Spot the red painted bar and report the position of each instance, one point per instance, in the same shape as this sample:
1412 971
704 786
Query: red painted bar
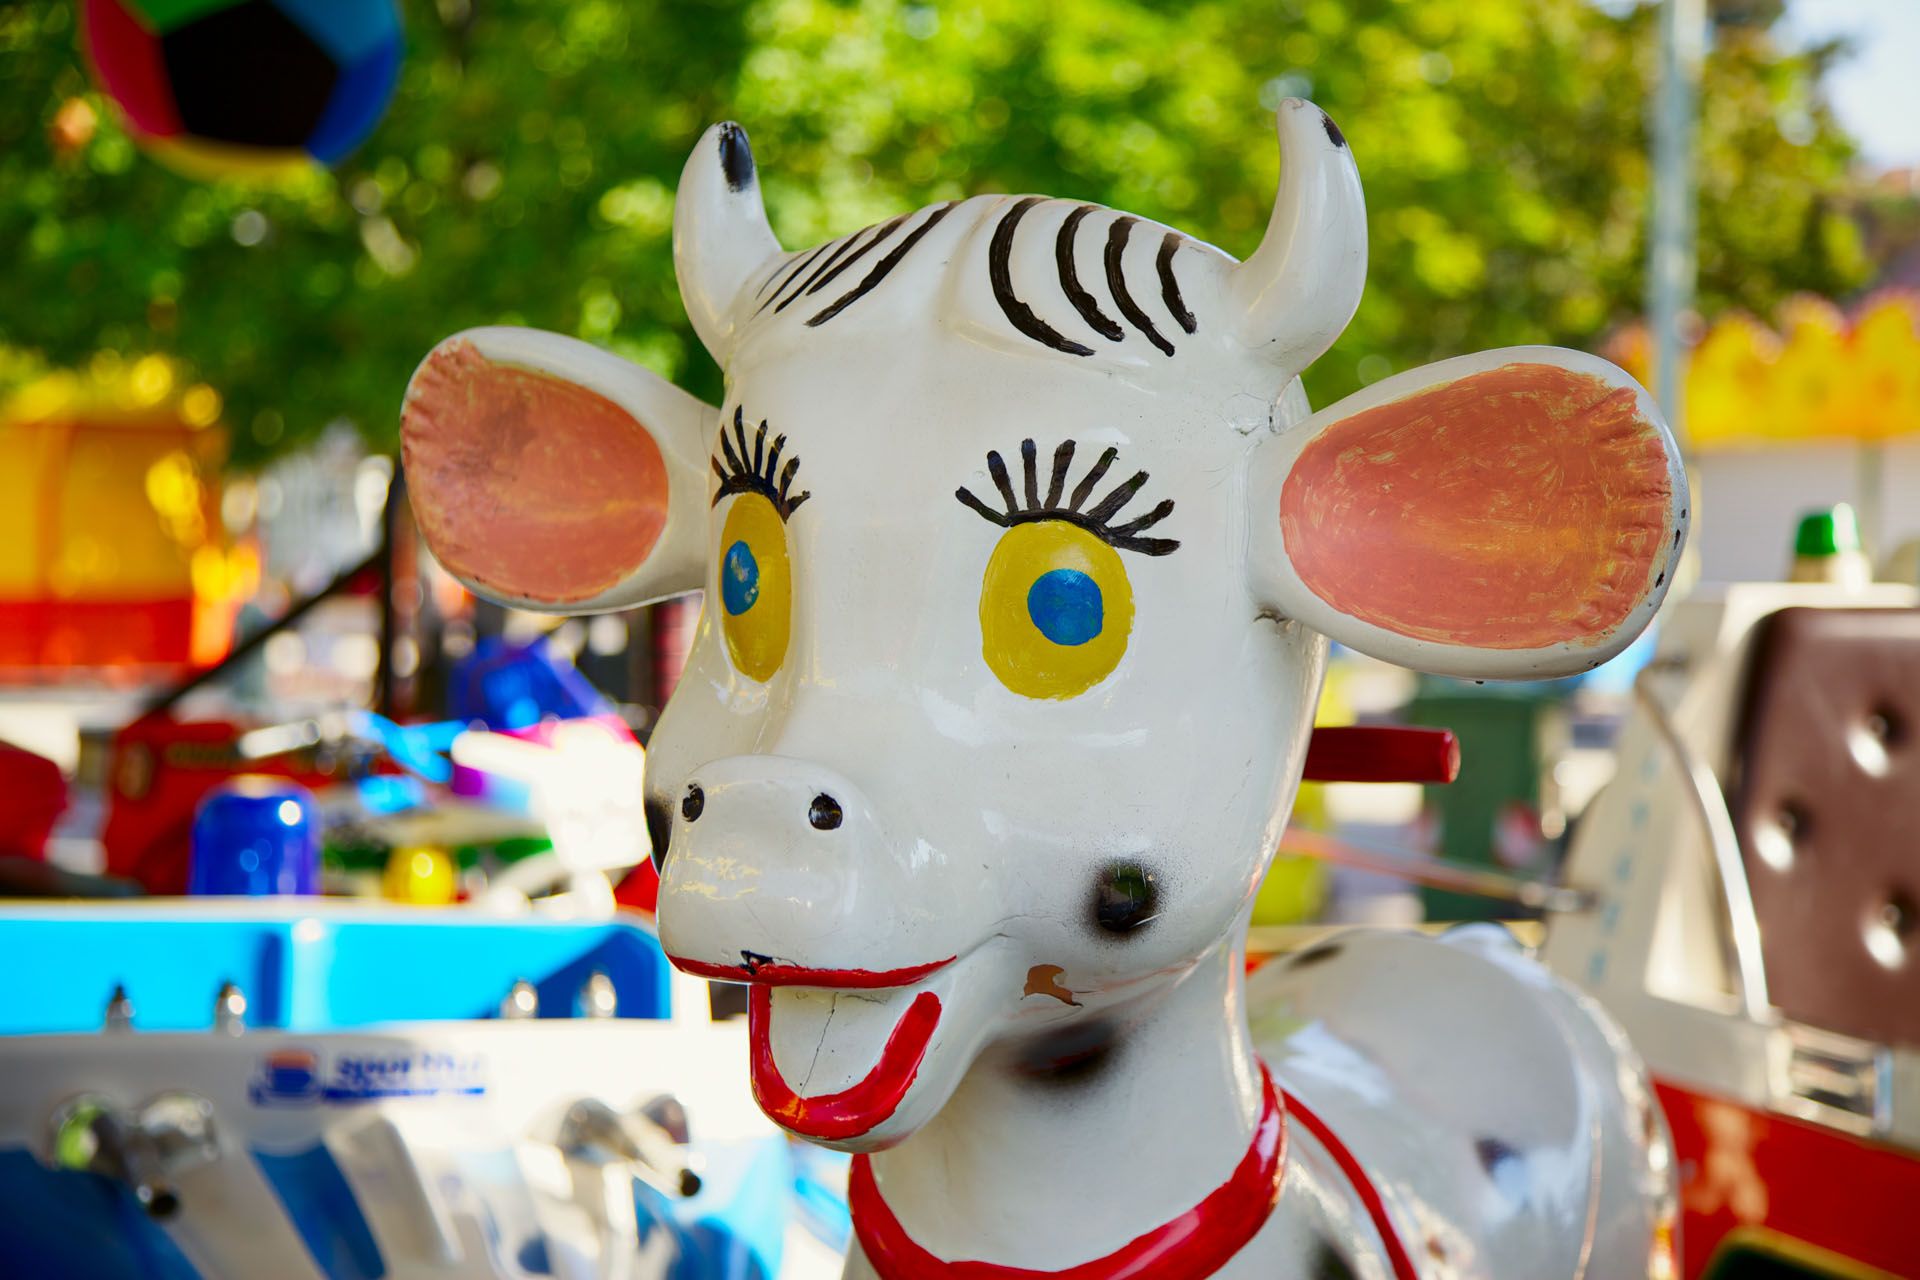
1382 753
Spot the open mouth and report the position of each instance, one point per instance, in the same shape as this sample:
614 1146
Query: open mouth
865 1103
861 1106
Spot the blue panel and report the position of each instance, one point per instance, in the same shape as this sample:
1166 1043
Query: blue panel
322 1208
79 1226
735 1227
347 29
323 972
359 99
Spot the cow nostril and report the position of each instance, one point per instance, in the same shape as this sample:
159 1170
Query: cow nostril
824 813
693 802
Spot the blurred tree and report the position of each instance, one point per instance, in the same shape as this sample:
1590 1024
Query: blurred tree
526 170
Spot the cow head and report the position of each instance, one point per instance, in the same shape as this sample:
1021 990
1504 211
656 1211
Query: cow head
1021 553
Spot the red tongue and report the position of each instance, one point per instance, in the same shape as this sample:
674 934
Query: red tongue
862 1105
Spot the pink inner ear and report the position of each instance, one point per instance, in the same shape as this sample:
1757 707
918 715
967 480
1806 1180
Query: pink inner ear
528 484
1512 509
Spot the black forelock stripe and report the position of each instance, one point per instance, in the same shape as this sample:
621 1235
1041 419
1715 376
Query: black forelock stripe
1117 282
882 267
1000 274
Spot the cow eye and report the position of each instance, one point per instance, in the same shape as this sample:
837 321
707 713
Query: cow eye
755 571
1055 610
756 586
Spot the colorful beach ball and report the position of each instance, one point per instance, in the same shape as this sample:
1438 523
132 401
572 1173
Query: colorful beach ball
219 88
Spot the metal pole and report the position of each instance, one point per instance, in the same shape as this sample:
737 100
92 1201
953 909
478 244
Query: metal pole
1670 239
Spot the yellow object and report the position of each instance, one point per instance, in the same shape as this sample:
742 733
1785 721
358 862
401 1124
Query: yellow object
1045 577
419 874
210 161
110 518
756 586
1820 375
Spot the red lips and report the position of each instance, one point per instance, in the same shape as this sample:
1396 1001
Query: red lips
862 1106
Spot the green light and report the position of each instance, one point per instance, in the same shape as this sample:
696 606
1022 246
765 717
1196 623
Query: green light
1827 533
75 1143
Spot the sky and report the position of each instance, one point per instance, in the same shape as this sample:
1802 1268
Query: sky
1876 89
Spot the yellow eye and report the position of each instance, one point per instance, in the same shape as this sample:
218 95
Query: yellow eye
1055 610
756 586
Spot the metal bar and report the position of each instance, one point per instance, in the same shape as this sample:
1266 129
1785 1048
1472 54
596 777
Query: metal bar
1382 753
1481 882
1710 804
170 698
1671 259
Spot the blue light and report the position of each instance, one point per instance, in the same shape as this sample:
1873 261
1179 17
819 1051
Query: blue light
1065 605
739 579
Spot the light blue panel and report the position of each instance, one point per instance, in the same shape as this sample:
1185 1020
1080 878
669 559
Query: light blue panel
347 29
308 974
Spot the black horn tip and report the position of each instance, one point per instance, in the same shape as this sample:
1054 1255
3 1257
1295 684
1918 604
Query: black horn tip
736 156
1334 135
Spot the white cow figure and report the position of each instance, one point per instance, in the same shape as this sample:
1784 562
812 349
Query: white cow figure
1021 556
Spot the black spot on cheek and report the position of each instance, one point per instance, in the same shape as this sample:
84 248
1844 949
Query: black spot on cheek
1334 135
1070 1056
659 828
1126 898
1329 1263
736 157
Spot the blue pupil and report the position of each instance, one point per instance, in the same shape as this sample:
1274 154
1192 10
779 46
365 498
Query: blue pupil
739 579
1065 605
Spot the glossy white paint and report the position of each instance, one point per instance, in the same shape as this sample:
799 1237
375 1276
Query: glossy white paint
1091 1075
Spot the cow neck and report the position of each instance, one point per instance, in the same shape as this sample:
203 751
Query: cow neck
1043 1175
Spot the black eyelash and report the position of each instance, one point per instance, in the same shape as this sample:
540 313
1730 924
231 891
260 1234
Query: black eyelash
1098 521
764 475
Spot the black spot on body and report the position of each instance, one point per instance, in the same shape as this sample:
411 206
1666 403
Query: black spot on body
1315 954
1334 135
753 960
1125 898
1492 1152
736 157
1329 1263
1070 1056
694 803
659 829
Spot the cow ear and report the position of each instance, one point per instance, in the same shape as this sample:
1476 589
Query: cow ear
548 474
1514 514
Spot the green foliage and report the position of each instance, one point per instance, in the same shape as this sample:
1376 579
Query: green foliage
525 174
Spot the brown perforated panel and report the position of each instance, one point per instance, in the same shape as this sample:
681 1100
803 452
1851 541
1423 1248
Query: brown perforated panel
1827 805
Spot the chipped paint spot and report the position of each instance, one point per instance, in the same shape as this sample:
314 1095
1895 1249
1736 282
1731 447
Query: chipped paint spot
1518 508
1044 980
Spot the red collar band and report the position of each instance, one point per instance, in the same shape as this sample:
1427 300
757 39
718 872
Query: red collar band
1190 1247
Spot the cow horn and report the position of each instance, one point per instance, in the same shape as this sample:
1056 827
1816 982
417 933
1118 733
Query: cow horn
1297 292
720 234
